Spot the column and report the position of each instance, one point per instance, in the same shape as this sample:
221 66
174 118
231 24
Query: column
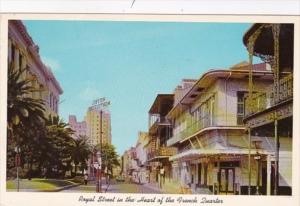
249 161
269 175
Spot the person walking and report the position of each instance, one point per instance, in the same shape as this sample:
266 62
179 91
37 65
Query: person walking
185 180
85 178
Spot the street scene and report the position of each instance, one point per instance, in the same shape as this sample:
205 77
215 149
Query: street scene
150 107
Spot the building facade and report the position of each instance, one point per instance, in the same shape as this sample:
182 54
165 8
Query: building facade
269 113
79 128
98 120
24 53
209 133
141 153
160 130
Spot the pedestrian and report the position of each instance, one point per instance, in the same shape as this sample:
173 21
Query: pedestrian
185 180
85 178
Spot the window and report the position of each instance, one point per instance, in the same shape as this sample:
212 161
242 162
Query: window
240 107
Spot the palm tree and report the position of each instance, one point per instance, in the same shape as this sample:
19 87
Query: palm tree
59 139
24 113
22 110
80 151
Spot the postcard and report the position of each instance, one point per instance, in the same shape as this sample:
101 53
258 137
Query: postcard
117 109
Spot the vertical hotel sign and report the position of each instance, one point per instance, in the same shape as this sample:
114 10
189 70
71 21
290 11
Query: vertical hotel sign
100 104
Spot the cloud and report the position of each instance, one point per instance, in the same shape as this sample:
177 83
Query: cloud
52 63
89 94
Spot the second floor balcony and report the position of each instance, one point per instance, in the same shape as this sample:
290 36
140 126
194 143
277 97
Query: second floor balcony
162 152
261 101
191 129
159 121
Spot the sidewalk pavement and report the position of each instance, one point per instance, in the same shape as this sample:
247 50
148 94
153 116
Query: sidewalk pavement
172 187
169 187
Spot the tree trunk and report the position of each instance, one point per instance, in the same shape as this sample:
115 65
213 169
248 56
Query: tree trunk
75 169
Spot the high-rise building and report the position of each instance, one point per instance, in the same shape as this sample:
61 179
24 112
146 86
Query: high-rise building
79 128
98 119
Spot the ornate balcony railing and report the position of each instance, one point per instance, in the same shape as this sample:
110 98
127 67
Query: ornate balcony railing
264 100
159 120
163 151
191 129
259 102
285 88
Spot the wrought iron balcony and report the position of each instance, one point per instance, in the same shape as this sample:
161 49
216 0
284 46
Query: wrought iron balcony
285 88
264 100
160 121
162 152
191 129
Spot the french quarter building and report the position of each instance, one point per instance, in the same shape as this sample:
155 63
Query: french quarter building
209 133
269 113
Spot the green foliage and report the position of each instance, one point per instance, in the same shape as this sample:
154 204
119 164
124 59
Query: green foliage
22 110
80 151
44 142
25 117
58 141
109 156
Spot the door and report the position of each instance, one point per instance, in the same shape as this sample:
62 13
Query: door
227 176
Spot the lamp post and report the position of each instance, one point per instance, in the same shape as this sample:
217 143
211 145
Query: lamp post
257 157
18 162
99 173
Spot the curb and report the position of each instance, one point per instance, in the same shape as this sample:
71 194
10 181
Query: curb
61 188
53 190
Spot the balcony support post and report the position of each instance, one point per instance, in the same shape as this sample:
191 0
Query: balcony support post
276 154
275 62
250 47
249 161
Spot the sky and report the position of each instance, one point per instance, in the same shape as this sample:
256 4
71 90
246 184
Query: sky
129 63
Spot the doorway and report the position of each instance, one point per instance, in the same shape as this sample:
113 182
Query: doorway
227 178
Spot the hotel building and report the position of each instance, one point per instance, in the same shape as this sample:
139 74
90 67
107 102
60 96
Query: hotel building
98 119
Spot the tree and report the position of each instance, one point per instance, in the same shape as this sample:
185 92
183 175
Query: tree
59 141
22 110
109 156
25 115
80 151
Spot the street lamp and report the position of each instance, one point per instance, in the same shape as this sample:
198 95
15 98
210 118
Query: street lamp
99 173
257 157
18 162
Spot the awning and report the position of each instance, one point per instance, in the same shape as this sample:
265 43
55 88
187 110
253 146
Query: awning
157 158
195 153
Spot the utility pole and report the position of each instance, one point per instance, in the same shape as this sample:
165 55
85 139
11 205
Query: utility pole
100 178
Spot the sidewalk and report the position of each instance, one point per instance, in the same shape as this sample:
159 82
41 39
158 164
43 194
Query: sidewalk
174 188
168 187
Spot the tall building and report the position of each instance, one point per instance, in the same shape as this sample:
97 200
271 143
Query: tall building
79 128
24 53
98 118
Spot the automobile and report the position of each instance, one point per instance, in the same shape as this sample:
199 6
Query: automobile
120 178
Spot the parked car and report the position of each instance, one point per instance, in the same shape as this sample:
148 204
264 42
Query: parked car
120 178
